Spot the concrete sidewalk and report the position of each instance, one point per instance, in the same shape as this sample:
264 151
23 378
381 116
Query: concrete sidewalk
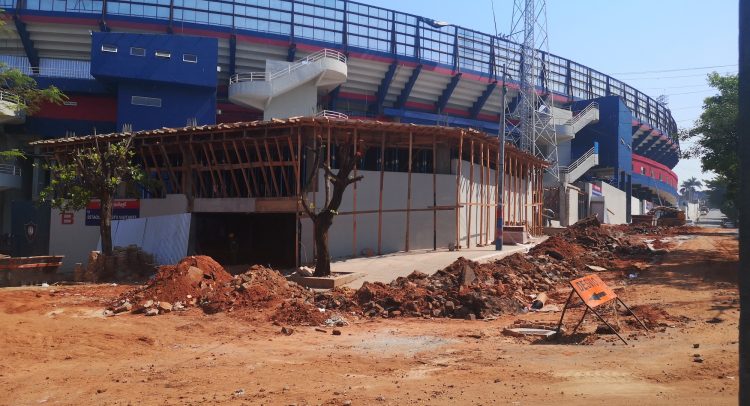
386 268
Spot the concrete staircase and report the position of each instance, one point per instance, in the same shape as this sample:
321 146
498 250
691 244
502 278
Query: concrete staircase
571 173
318 73
568 127
10 112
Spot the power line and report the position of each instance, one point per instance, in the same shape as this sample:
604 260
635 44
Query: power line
675 77
673 70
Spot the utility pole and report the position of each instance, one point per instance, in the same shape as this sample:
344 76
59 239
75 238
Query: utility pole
743 127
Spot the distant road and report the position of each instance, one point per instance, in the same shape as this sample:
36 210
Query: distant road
712 219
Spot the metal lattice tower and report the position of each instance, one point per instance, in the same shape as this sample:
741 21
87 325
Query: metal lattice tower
533 114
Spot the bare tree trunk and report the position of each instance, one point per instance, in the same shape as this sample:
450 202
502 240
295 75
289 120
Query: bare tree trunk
322 224
105 225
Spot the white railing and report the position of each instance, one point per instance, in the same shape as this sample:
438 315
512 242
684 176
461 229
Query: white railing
266 76
332 114
58 72
570 168
582 113
9 97
9 169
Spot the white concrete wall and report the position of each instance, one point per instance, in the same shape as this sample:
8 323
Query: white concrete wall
692 211
481 229
611 206
76 240
393 238
636 206
301 101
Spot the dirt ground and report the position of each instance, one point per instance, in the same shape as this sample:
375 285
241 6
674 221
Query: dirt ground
58 348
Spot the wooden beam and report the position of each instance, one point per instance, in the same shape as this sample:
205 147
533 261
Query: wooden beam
231 170
283 170
203 192
266 185
169 169
481 194
273 173
242 170
218 171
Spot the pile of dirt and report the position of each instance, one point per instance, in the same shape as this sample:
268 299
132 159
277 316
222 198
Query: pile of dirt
467 289
199 281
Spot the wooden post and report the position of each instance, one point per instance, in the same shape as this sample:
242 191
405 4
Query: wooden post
471 195
480 206
250 168
458 188
203 193
434 191
408 194
380 195
231 167
354 197
242 168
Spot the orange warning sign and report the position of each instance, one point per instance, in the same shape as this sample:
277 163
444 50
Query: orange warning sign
593 290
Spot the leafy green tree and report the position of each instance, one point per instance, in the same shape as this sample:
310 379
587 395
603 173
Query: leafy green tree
24 91
715 133
720 198
93 172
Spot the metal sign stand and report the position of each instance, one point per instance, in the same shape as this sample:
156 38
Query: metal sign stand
585 313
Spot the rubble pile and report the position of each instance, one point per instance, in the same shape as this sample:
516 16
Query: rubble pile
199 281
467 289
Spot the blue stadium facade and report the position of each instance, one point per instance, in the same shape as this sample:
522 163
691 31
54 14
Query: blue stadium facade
168 63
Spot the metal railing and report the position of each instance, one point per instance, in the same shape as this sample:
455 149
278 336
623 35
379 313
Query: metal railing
332 114
578 116
266 76
356 25
10 169
58 73
578 162
9 97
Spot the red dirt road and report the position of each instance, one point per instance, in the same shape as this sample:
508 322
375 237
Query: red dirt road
59 349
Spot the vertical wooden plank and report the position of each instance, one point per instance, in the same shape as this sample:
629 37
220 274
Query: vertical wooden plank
204 192
242 168
480 202
298 167
354 196
271 168
408 192
171 171
434 191
328 162
282 167
266 185
471 195
256 191
380 194
488 199
231 169
458 188
218 171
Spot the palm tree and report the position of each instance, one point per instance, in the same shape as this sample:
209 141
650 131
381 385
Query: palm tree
689 186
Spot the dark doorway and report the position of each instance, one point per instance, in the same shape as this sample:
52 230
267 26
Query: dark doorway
247 239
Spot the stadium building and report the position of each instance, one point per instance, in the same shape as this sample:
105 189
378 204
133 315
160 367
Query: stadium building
144 65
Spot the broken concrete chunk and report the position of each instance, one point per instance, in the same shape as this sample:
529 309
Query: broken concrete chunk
151 311
596 268
165 307
468 275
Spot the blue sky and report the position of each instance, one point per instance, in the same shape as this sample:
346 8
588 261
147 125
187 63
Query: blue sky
618 37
